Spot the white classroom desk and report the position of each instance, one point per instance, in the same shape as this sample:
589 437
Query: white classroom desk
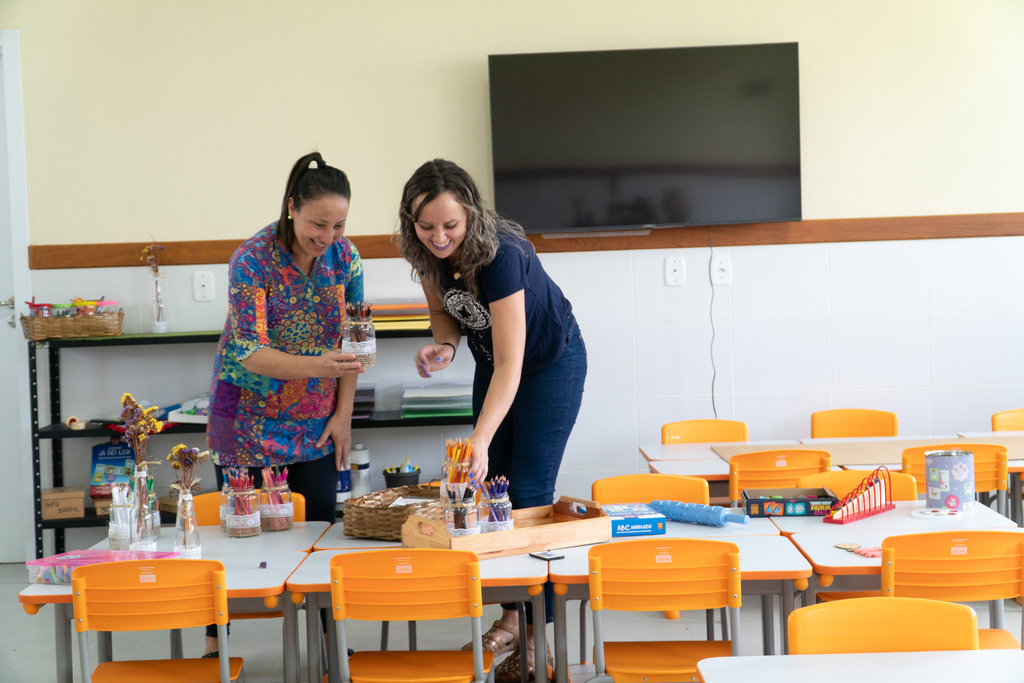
516 578
250 589
768 563
1014 467
711 469
869 439
335 539
700 451
898 520
880 667
300 538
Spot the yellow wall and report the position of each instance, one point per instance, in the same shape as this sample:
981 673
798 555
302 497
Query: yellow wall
181 119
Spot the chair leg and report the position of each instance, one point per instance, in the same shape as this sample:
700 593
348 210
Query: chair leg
583 631
523 670
412 636
83 656
105 646
383 636
709 617
177 648
725 623
768 623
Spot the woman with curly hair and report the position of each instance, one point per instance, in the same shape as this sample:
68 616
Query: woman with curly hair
482 279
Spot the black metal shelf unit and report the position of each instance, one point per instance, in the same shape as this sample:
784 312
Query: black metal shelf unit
57 431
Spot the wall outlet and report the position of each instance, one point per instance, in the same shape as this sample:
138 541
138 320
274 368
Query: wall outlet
675 272
721 270
202 285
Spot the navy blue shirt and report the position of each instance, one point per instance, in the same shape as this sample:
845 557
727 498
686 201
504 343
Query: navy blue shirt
547 310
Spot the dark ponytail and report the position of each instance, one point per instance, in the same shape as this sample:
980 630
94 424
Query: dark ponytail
307 184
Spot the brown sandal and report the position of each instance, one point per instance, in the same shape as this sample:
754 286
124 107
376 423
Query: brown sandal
498 639
509 669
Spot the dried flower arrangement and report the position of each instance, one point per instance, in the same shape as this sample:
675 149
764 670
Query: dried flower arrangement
139 423
151 255
186 463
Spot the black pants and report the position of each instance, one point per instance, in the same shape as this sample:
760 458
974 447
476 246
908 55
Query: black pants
316 480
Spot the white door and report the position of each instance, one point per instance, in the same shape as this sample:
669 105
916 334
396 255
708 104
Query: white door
17 540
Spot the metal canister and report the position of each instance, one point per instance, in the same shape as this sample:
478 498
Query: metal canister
950 479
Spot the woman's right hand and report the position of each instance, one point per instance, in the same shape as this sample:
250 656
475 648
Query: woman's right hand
336 364
433 357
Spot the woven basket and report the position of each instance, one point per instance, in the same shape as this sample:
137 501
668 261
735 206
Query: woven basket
99 325
370 517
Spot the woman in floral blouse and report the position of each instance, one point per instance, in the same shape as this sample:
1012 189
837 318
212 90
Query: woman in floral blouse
282 390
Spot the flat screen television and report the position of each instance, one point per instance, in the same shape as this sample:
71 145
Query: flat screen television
655 138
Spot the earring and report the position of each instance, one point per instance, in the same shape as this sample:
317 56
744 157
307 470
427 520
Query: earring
289 216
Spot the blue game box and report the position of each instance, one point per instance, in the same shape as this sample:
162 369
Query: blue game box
635 519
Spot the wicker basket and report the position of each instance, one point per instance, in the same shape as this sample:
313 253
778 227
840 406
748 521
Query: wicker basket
99 325
370 517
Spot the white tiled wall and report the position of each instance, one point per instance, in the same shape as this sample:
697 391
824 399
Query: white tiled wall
928 329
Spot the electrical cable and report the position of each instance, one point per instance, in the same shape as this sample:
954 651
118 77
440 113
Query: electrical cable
711 316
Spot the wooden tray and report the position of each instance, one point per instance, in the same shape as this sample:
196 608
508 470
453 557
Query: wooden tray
541 528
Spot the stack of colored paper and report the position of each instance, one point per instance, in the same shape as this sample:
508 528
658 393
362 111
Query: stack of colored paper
365 402
437 400
400 314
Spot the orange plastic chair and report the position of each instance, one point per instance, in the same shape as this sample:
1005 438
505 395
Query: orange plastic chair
779 468
153 595
989 467
853 422
659 575
882 625
643 488
409 584
703 431
959 566
1008 421
207 507
904 486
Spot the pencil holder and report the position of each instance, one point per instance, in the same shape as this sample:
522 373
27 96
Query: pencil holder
243 513
495 513
276 512
224 507
360 337
118 529
461 518
455 472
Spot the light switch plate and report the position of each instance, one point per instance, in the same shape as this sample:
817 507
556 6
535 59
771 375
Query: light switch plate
675 271
202 285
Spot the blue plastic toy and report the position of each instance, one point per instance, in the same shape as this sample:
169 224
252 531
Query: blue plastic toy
695 513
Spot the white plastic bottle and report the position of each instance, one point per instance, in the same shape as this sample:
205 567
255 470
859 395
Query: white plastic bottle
359 464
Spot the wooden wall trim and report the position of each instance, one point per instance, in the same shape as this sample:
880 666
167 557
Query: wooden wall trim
47 257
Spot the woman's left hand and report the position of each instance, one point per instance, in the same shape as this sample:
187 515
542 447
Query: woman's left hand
339 430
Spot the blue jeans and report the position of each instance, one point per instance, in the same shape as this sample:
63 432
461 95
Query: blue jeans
529 444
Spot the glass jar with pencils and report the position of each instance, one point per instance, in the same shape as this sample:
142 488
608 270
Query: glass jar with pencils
358 336
142 534
118 530
461 517
276 512
242 518
224 506
495 507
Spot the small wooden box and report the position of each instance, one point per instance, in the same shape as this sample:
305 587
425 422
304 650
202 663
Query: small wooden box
64 503
102 506
569 522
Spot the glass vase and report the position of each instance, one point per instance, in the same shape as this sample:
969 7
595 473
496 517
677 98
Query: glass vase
119 528
158 316
154 509
143 536
186 529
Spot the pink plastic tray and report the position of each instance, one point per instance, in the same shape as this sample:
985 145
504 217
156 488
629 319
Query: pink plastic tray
58 568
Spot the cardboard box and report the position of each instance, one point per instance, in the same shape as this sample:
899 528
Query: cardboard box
788 502
64 503
569 522
635 519
102 507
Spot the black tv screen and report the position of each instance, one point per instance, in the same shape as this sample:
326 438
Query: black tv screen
646 138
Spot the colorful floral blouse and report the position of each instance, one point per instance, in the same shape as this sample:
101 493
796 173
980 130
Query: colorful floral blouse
257 420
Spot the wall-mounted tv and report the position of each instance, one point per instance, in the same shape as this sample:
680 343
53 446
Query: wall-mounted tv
654 138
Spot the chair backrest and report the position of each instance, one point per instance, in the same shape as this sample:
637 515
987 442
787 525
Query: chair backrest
147 595
643 488
904 486
778 468
207 507
703 431
664 574
989 464
934 565
881 624
1008 421
853 422
406 584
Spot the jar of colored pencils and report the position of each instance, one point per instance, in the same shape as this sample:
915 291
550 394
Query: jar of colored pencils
224 506
495 512
243 513
276 513
359 336
460 516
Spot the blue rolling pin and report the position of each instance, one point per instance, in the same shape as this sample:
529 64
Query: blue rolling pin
695 513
